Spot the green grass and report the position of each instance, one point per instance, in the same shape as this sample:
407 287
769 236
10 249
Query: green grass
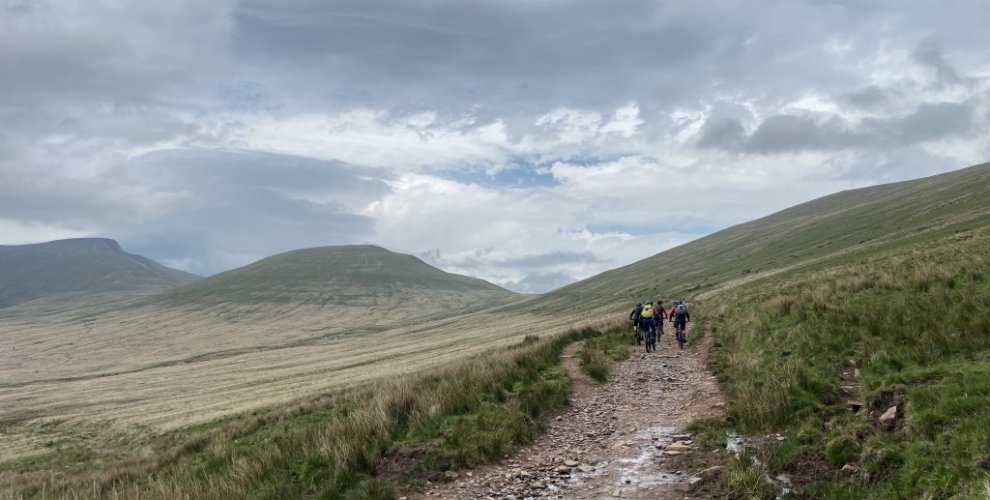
599 354
915 323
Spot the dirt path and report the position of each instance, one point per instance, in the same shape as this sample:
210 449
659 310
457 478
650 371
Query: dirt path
610 442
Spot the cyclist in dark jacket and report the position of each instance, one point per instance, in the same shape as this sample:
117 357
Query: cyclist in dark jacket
679 314
636 316
636 313
660 316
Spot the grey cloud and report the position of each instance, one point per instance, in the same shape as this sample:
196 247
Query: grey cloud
539 55
869 97
282 174
727 134
18 9
787 133
53 51
247 205
497 60
724 125
120 74
242 226
929 121
38 193
929 54
210 209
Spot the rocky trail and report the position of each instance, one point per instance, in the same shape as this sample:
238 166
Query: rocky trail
623 439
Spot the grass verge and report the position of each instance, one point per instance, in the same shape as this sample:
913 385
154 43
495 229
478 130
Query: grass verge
820 357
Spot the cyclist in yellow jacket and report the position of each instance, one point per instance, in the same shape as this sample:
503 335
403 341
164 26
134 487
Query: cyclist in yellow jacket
649 323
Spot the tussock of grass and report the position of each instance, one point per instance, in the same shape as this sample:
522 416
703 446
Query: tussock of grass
340 446
915 325
599 354
749 479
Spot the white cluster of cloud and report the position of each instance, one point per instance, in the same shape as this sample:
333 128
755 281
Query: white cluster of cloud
528 143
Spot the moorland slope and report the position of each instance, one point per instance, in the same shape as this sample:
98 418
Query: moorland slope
815 234
355 275
285 326
81 266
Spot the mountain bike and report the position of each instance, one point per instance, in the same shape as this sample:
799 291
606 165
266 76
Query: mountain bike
651 340
680 335
637 334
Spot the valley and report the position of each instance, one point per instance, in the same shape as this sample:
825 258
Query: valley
891 281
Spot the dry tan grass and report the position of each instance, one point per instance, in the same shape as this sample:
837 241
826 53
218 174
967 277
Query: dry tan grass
13 446
152 369
346 439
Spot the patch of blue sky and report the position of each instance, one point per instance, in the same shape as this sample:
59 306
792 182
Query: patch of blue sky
590 161
519 173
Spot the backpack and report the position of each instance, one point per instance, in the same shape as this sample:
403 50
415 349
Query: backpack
681 309
647 311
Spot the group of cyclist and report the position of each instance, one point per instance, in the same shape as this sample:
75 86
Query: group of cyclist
648 321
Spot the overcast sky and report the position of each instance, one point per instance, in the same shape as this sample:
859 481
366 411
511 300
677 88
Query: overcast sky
528 142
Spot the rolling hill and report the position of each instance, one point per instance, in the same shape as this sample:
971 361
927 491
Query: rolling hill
79 266
815 234
353 275
280 327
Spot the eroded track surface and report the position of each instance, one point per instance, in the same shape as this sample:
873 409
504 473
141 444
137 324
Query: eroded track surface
618 440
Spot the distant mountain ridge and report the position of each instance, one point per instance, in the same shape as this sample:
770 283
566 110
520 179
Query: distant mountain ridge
332 275
81 265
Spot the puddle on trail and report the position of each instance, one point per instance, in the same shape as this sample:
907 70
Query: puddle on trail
642 471
734 443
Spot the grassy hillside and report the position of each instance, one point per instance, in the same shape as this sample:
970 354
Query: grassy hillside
296 324
814 235
82 266
318 299
342 275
